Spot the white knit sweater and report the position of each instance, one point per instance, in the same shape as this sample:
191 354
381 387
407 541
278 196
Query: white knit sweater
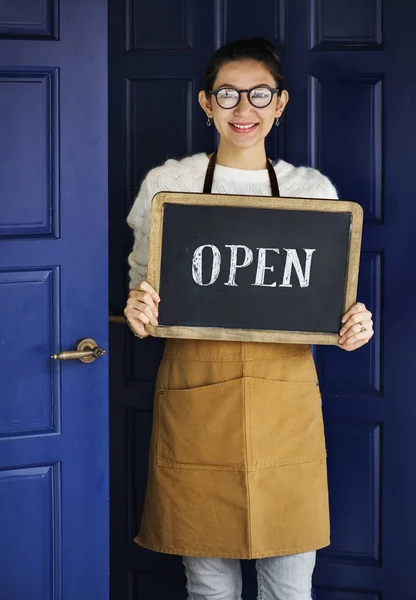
188 175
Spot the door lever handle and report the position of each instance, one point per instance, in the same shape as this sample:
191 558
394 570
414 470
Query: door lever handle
86 350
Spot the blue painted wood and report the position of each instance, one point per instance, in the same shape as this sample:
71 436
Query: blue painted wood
354 451
148 30
348 65
53 291
30 20
29 496
334 594
29 98
332 119
346 24
29 296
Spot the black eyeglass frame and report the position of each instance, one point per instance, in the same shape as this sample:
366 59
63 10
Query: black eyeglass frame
248 92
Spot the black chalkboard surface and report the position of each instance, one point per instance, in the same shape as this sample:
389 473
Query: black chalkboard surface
253 268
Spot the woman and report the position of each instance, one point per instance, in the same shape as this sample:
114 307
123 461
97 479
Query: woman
237 461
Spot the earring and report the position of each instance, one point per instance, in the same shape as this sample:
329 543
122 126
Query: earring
277 122
209 122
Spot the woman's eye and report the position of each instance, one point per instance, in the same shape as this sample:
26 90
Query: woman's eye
227 93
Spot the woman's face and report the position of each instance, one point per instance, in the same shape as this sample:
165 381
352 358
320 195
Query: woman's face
245 125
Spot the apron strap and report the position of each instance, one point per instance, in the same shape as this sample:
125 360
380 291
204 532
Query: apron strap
273 180
209 177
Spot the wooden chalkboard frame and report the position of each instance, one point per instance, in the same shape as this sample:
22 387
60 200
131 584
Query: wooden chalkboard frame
251 335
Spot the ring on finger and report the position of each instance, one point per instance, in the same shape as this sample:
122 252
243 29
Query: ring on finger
361 324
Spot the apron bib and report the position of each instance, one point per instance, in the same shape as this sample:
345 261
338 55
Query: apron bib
237 465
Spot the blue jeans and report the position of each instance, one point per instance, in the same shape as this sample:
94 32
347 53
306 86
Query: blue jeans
279 577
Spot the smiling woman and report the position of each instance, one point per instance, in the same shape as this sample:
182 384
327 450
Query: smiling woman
237 461
250 96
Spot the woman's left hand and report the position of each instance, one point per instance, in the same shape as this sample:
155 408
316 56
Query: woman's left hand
357 328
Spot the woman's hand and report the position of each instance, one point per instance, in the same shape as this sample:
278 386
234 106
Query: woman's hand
142 308
357 328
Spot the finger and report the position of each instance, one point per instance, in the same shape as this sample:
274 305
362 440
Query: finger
147 299
137 298
349 332
356 308
356 337
356 318
346 339
138 327
354 346
134 314
144 310
365 331
364 325
146 287
137 311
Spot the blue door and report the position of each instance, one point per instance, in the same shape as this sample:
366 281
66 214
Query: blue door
349 66
53 292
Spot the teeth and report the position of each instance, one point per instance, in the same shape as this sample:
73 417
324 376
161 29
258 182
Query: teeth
243 126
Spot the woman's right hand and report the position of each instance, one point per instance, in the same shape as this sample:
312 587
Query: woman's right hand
142 308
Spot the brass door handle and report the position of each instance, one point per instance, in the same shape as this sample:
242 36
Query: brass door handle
85 350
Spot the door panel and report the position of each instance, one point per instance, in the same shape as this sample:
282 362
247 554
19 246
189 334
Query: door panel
28 296
53 291
35 491
347 66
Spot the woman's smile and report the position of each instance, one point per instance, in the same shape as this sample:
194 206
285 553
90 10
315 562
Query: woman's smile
243 128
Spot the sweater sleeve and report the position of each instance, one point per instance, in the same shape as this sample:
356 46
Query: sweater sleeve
139 220
322 187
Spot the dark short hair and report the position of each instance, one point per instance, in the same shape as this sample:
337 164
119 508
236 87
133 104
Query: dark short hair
257 49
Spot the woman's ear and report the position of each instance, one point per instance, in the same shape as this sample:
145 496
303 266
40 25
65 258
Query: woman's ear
281 105
205 103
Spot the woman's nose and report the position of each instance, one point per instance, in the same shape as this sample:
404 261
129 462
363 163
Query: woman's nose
244 105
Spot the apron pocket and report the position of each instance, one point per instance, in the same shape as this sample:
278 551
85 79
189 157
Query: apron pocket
202 428
284 422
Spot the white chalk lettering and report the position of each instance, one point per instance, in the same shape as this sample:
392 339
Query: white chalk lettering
261 267
292 260
248 259
197 264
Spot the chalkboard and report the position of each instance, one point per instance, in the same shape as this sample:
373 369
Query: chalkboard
253 268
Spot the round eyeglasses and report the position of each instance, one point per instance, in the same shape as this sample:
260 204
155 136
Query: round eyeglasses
259 97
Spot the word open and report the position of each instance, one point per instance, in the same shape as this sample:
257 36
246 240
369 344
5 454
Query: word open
291 263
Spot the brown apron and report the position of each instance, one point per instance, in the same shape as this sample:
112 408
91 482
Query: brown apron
237 460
